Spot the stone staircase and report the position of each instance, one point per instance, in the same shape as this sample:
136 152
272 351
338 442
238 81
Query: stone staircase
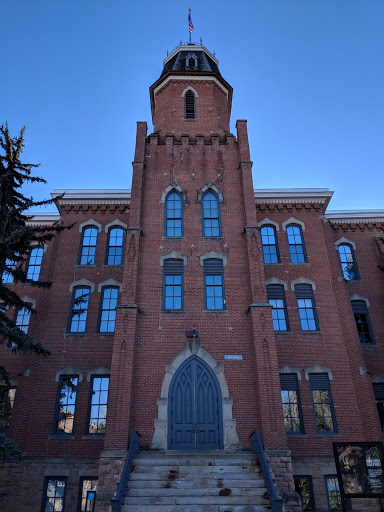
185 481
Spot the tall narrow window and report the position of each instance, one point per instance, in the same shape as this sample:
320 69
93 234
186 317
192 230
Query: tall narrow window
115 246
34 263
269 243
87 254
296 244
7 277
306 307
87 498
378 390
79 309
173 273
22 319
98 405
108 303
190 107
291 403
54 494
174 215
348 262
333 494
211 214
322 403
65 405
276 297
214 284
7 398
363 322
304 488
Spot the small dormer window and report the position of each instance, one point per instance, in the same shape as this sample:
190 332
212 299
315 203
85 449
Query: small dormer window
190 105
191 61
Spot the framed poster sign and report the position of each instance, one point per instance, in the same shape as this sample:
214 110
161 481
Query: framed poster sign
360 469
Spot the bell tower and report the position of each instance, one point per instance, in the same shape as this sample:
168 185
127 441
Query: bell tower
191 97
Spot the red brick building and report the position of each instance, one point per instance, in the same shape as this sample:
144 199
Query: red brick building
259 307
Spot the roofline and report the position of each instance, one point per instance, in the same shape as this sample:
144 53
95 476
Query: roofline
292 195
89 193
43 219
190 47
354 216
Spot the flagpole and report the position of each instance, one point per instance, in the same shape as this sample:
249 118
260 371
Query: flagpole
190 33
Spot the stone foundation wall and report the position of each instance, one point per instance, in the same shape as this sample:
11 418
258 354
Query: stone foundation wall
110 469
23 482
280 465
320 467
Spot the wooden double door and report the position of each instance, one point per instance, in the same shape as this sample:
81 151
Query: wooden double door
195 408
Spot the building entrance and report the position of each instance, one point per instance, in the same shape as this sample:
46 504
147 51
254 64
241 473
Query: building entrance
194 408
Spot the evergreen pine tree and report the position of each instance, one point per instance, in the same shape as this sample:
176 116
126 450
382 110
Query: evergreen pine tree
16 241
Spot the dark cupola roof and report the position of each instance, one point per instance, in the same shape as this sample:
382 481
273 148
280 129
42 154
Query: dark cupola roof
191 58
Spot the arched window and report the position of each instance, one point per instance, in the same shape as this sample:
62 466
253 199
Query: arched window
363 322
214 284
306 307
34 263
173 276
87 255
190 110
79 309
211 214
348 262
276 298
269 243
296 244
174 214
108 303
115 246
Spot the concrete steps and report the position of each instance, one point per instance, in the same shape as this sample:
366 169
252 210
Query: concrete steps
187 481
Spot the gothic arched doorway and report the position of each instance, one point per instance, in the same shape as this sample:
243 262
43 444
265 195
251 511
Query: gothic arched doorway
195 420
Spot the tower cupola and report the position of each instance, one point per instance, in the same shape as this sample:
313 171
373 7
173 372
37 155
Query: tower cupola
191 97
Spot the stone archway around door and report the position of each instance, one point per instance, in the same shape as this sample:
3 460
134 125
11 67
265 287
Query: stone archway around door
160 437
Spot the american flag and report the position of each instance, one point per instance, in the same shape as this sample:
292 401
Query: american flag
190 24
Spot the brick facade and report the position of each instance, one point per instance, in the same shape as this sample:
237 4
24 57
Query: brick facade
193 154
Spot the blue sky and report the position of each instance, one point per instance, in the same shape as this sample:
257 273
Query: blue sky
307 74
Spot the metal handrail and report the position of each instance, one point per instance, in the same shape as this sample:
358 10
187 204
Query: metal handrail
134 448
257 448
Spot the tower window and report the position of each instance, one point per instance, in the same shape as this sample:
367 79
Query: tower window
214 284
173 273
190 110
211 214
173 215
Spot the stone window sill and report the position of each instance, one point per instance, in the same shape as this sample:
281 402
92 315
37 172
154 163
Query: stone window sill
311 332
372 345
303 264
85 266
177 311
174 237
107 266
281 333
93 436
58 436
69 334
211 238
272 264
104 333
215 311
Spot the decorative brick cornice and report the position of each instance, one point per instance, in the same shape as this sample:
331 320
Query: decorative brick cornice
293 197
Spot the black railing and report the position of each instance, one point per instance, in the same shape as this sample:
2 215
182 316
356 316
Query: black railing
134 448
257 447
